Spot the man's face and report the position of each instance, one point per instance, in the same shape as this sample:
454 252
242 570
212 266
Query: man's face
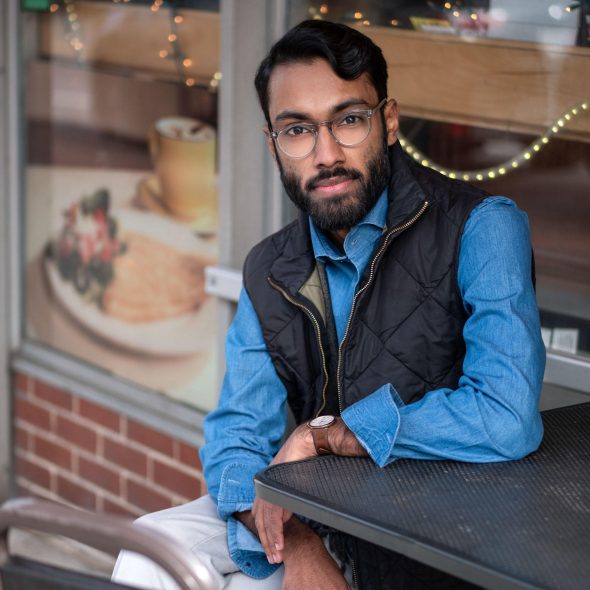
335 185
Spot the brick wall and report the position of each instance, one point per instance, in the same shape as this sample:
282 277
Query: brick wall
73 450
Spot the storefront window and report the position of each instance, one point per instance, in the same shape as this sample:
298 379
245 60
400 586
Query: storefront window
120 175
498 93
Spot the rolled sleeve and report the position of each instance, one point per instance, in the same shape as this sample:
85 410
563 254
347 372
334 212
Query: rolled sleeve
236 494
236 489
378 434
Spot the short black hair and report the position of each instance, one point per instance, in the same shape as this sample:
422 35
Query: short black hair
350 54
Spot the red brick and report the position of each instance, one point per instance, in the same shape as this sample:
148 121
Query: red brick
75 493
177 481
143 496
24 488
32 472
99 414
21 382
22 439
125 457
101 476
150 438
53 395
76 434
52 452
30 412
190 456
119 510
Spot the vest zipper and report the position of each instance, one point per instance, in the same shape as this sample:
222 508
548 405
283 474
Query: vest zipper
318 334
385 244
355 579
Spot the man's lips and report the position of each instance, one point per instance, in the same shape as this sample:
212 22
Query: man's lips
332 185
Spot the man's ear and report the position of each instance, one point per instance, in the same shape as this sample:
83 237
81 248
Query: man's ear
391 112
270 143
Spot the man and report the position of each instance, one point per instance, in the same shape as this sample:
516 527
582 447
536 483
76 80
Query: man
396 317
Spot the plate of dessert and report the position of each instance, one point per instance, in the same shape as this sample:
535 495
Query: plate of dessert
132 278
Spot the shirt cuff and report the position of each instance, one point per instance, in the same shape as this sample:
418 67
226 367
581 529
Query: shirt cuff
374 421
236 489
246 551
236 494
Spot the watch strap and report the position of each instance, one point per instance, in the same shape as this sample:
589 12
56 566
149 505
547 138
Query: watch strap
321 441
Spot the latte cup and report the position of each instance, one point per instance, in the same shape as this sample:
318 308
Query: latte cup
183 155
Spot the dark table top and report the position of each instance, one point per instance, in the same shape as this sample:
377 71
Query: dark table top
516 524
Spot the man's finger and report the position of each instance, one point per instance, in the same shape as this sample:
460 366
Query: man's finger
261 528
273 520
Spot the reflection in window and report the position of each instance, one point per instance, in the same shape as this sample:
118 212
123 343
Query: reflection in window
121 187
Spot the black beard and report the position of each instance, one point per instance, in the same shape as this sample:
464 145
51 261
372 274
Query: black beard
343 212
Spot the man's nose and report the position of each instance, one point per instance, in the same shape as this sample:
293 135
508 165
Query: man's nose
328 151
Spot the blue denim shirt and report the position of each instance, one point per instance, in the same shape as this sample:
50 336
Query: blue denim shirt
491 416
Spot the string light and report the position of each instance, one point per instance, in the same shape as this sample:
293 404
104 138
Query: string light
514 163
175 52
214 82
73 29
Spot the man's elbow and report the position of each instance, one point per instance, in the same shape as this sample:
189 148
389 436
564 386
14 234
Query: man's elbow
519 437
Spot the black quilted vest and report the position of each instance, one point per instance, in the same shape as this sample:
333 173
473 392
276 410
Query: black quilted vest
406 323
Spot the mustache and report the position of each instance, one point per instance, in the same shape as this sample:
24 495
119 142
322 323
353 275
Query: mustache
341 172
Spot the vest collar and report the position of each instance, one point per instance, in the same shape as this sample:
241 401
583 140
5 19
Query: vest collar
405 194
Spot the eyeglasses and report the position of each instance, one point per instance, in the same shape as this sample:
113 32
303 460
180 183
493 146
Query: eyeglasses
298 140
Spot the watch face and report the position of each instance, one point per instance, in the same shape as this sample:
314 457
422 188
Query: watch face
321 421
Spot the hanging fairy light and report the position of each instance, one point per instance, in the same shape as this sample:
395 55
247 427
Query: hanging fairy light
175 51
214 82
73 36
514 163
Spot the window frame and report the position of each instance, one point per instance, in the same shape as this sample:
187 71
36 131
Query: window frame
246 206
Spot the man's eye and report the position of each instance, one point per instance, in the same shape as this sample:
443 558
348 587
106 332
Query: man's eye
350 119
296 130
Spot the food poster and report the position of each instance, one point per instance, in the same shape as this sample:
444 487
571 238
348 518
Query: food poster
116 258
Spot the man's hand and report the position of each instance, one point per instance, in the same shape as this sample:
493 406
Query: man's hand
269 520
308 565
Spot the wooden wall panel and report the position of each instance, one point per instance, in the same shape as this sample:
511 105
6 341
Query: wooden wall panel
127 36
493 83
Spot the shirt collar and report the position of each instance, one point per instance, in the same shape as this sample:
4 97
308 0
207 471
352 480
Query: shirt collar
323 246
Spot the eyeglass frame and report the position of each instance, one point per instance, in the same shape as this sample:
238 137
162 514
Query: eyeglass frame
315 129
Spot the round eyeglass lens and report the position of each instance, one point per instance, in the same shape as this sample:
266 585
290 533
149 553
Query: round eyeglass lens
297 141
351 129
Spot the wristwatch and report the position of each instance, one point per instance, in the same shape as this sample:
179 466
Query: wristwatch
319 432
